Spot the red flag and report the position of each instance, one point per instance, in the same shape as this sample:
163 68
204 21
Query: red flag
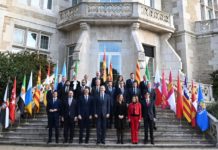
138 73
12 104
164 103
179 104
157 88
111 72
104 67
193 106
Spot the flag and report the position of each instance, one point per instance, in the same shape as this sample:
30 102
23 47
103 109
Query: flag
194 105
47 81
164 102
29 96
64 70
202 118
104 67
6 103
157 88
21 102
76 68
179 103
147 73
12 104
171 94
111 72
56 77
186 102
138 73
36 96
45 97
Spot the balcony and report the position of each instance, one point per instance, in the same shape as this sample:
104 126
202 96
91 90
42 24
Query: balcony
116 13
206 27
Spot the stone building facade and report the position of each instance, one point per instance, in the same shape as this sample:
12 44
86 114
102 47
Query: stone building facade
180 35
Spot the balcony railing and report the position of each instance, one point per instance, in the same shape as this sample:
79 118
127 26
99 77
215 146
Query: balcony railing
207 26
117 12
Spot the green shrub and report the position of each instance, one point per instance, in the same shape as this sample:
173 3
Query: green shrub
16 65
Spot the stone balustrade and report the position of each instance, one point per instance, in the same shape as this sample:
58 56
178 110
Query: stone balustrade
128 12
213 128
207 26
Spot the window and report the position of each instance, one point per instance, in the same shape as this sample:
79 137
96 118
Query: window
75 2
44 42
210 13
110 0
31 39
70 61
207 9
35 3
112 50
149 54
18 37
48 4
148 3
209 3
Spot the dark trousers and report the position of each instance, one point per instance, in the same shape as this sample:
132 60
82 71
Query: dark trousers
69 125
101 128
84 125
110 121
120 135
148 124
53 122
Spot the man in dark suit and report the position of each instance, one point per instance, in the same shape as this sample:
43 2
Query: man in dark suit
134 91
98 76
102 112
85 112
60 86
143 85
53 108
69 116
129 82
110 90
65 90
148 116
121 90
75 86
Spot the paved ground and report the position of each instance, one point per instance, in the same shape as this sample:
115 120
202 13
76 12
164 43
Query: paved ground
4 147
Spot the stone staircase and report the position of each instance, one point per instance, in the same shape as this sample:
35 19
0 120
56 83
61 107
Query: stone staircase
170 133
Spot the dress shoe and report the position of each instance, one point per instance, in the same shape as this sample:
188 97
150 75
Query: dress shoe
103 142
152 142
49 141
97 143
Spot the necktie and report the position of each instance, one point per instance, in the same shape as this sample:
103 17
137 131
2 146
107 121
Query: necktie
102 97
86 98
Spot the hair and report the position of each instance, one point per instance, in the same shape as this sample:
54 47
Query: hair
118 97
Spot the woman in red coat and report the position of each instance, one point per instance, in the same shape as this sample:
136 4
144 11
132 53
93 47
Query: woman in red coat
134 117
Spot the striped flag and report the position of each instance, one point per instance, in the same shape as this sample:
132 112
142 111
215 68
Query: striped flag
164 102
56 77
171 94
6 103
29 95
138 73
111 72
147 73
194 106
157 88
21 102
36 97
12 105
179 102
186 102
104 67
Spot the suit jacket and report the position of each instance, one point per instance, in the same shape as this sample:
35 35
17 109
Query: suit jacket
143 87
94 80
134 109
85 108
94 92
124 92
129 83
69 111
64 92
59 87
131 93
102 107
54 105
147 110
111 94
76 89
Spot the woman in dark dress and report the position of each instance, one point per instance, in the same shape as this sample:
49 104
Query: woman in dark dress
120 113
119 79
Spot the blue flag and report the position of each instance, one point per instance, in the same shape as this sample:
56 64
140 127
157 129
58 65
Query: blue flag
56 78
64 70
202 118
29 95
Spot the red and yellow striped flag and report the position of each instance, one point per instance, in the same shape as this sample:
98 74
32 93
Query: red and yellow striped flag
36 97
193 106
104 67
111 72
138 73
186 102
